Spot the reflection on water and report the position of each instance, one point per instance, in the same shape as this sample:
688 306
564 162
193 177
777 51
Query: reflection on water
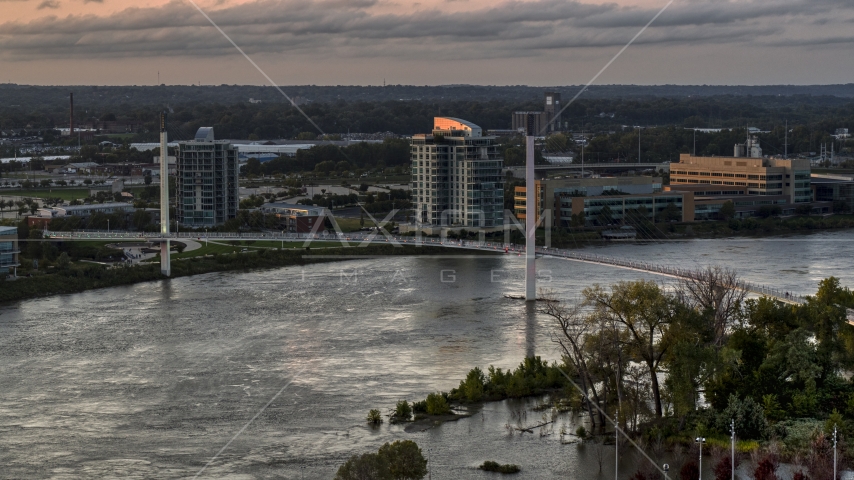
151 380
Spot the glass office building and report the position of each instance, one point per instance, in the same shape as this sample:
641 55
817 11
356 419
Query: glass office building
8 250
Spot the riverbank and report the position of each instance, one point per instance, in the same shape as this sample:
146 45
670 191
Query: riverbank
80 278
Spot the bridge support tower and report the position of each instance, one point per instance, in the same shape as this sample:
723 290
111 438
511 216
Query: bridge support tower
530 216
165 260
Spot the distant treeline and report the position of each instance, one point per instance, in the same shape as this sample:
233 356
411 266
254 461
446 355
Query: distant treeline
238 119
330 158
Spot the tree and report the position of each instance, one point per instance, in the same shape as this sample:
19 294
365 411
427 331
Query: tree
34 247
402 411
715 290
252 167
404 460
369 466
803 209
766 211
670 213
727 210
645 312
605 216
63 262
437 404
472 386
140 219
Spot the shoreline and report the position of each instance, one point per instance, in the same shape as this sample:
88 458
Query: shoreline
94 276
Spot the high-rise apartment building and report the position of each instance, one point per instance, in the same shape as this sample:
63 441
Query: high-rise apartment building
206 184
789 178
457 176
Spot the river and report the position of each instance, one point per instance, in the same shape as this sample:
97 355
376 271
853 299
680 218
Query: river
153 380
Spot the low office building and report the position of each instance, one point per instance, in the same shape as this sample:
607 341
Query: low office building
84 210
9 251
551 190
206 188
837 189
457 176
571 199
619 209
759 176
296 218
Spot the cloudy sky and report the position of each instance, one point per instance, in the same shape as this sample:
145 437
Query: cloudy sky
428 42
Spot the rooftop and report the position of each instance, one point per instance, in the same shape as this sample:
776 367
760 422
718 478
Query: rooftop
453 123
73 208
309 210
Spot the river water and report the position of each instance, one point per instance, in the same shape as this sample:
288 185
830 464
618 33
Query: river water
153 380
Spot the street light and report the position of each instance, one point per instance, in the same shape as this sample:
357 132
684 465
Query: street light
701 441
732 441
834 450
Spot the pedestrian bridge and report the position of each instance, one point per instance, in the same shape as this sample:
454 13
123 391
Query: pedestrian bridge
364 238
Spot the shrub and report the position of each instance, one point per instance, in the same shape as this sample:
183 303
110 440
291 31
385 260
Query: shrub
766 469
374 417
402 412
749 416
419 407
723 469
490 466
690 470
437 404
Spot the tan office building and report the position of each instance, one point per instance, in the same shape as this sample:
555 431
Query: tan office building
789 178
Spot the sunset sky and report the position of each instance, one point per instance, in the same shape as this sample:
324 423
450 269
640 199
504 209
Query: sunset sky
430 42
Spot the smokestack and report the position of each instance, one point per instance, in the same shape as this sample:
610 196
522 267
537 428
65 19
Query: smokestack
71 98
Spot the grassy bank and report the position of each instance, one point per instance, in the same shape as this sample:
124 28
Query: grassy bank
67 194
83 277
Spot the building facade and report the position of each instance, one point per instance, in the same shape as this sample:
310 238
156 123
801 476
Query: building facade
207 181
296 218
553 111
760 176
520 122
8 250
457 176
551 190
84 210
571 200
